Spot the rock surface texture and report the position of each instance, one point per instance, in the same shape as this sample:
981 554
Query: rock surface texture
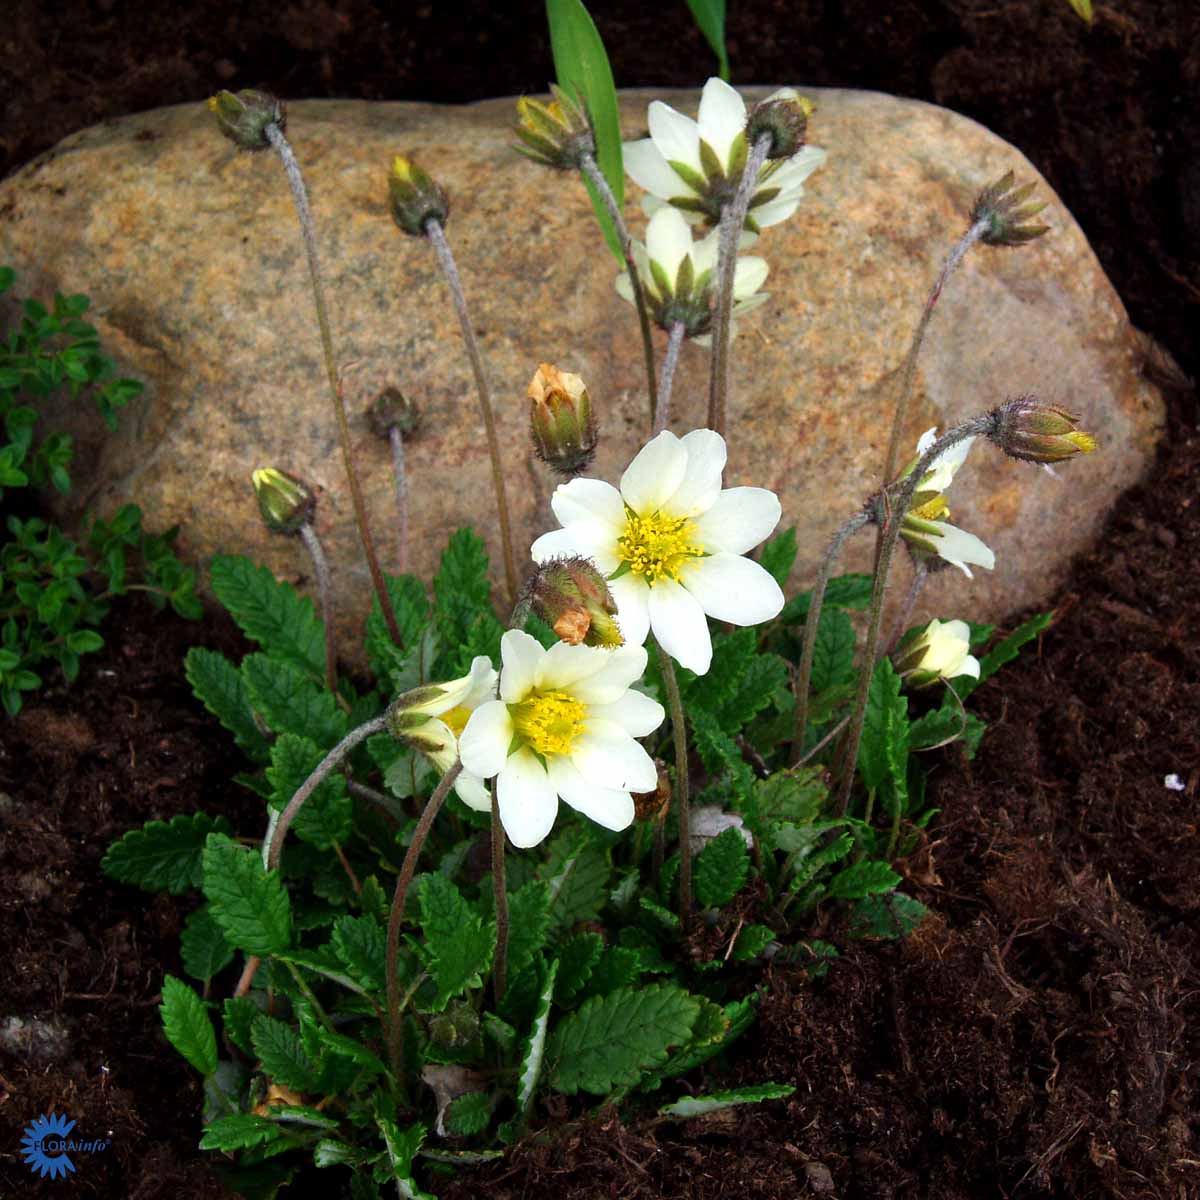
191 254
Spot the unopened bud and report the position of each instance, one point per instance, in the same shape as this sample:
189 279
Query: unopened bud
415 198
557 134
942 650
455 1027
652 806
243 118
572 597
392 409
285 501
561 420
1001 207
784 116
1026 428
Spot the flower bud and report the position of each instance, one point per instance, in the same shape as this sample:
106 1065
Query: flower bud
1001 207
572 597
1043 433
243 118
561 420
456 1027
941 651
415 198
784 116
392 409
285 501
557 134
652 806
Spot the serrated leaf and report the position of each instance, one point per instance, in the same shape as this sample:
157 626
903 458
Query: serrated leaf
218 685
291 701
779 555
698 1106
468 1114
533 1048
710 1033
301 1114
361 944
719 752
890 916
1005 651
721 869
270 613
611 1041
249 905
846 591
579 879
355 1051
280 1051
462 593
868 878
203 947
239 1132
327 816
163 856
528 922
329 1152
883 752
751 941
937 727
577 959
187 1025
401 1148
833 651
411 607
796 795
459 944
239 1014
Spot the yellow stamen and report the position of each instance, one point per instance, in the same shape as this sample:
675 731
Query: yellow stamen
658 545
549 721
457 719
932 510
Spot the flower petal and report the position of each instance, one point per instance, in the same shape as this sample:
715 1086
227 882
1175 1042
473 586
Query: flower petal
606 806
473 792
565 665
668 240
959 547
792 173
775 211
485 740
679 625
519 655
739 519
748 276
592 539
610 758
527 800
622 667
655 474
645 165
632 595
701 483
636 713
722 117
588 500
733 589
676 136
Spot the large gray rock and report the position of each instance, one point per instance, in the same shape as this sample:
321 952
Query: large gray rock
191 255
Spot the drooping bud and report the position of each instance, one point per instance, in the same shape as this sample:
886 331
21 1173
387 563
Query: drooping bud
1027 429
572 597
415 198
784 116
941 651
243 117
285 501
561 420
1002 208
456 1027
392 409
557 134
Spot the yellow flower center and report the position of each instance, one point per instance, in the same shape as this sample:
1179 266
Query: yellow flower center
549 721
932 510
658 545
457 719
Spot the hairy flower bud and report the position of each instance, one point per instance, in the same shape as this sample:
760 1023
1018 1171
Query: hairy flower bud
784 117
572 597
415 198
1026 428
243 118
942 650
557 134
561 420
456 1027
1002 208
285 501
392 409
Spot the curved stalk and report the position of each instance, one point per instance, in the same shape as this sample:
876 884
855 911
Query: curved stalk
396 438
662 414
312 543
682 801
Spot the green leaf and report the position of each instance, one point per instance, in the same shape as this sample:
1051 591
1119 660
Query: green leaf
583 71
846 591
203 947
458 942
1083 10
529 922
533 1048
239 1013
868 878
290 701
579 879
469 1114
218 685
270 613
833 651
698 1106
796 795
752 941
611 1041
280 1050
577 960
937 727
361 944
1005 651
721 869
618 967
462 593
249 905
327 815
355 1051
240 1132
891 916
401 1146
719 752
710 1032
710 17
163 856
187 1026
883 752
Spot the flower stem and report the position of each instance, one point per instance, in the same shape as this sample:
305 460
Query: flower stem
396 916
662 413
682 802
920 575
804 675
312 543
310 785
300 198
500 962
445 257
891 533
396 438
733 218
595 176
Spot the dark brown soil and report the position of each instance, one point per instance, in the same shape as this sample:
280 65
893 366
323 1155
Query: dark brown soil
1038 1035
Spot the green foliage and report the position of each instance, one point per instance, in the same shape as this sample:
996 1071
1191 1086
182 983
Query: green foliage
778 556
710 17
163 856
845 591
220 688
462 599
187 1025
203 947
290 701
282 1054
458 944
533 1048
721 869
698 1106
325 818
247 902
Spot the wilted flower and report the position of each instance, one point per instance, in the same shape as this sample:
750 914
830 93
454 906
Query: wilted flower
1027 429
557 134
941 651
670 542
244 117
572 597
1002 207
415 198
696 166
564 727
392 409
285 501
561 420
783 116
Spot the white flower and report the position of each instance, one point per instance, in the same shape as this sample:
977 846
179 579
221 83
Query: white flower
431 719
941 651
696 166
564 726
671 543
921 527
677 276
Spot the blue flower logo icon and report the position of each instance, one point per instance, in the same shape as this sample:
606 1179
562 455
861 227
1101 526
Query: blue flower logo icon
41 1146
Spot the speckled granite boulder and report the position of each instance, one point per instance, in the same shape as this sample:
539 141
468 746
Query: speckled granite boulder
192 258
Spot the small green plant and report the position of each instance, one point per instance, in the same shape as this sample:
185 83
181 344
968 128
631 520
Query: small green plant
55 592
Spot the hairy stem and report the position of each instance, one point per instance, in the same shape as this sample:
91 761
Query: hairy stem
312 543
307 229
920 575
662 414
500 962
733 218
682 802
396 438
445 257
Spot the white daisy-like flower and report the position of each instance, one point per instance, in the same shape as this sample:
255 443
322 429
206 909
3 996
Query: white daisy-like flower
677 276
922 527
941 651
671 543
564 727
431 719
695 166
